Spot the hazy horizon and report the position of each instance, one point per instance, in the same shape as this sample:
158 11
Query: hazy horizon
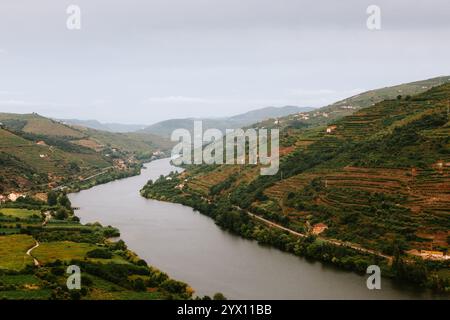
144 62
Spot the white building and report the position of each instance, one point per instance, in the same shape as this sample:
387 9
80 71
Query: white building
14 196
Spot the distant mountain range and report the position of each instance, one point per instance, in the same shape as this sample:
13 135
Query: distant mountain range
111 127
350 105
165 128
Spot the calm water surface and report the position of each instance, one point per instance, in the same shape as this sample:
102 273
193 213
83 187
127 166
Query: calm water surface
191 248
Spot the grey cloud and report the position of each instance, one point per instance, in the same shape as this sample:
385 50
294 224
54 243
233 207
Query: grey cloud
221 56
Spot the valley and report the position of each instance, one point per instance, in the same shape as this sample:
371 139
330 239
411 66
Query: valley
370 187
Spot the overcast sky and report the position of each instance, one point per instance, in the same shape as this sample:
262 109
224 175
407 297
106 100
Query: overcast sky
145 61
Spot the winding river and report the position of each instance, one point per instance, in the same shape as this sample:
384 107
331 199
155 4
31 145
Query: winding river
190 247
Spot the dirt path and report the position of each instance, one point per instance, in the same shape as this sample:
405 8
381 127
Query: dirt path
36 262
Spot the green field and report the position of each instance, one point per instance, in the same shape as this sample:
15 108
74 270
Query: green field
22 280
62 250
66 251
20 213
39 294
13 250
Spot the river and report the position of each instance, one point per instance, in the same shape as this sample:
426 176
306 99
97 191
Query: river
191 248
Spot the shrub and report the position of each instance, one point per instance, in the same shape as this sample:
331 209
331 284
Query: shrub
99 254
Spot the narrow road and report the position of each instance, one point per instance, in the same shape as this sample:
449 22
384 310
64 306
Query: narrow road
36 262
273 224
330 241
102 171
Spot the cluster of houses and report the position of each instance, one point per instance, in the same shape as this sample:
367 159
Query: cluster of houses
302 116
348 107
124 164
157 154
308 115
120 164
321 114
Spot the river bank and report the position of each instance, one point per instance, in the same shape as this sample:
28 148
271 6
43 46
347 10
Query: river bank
191 248
40 240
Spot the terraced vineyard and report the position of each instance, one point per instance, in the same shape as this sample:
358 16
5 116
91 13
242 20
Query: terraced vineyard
379 178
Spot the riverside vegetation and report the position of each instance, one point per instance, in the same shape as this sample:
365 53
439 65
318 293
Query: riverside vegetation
109 269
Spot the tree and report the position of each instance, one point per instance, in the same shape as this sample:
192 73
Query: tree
62 214
119 245
64 201
219 296
74 167
52 198
139 285
99 254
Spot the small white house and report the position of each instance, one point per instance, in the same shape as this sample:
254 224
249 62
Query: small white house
331 129
14 196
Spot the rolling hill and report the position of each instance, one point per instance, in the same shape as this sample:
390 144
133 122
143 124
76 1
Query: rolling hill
38 152
376 181
349 105
165 128
387 166
97 125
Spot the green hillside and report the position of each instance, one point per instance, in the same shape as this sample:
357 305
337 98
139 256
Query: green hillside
39 153
376 181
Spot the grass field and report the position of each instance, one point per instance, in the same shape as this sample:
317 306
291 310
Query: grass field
13 250
67 250
40 294
62 250
20 213
22 280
